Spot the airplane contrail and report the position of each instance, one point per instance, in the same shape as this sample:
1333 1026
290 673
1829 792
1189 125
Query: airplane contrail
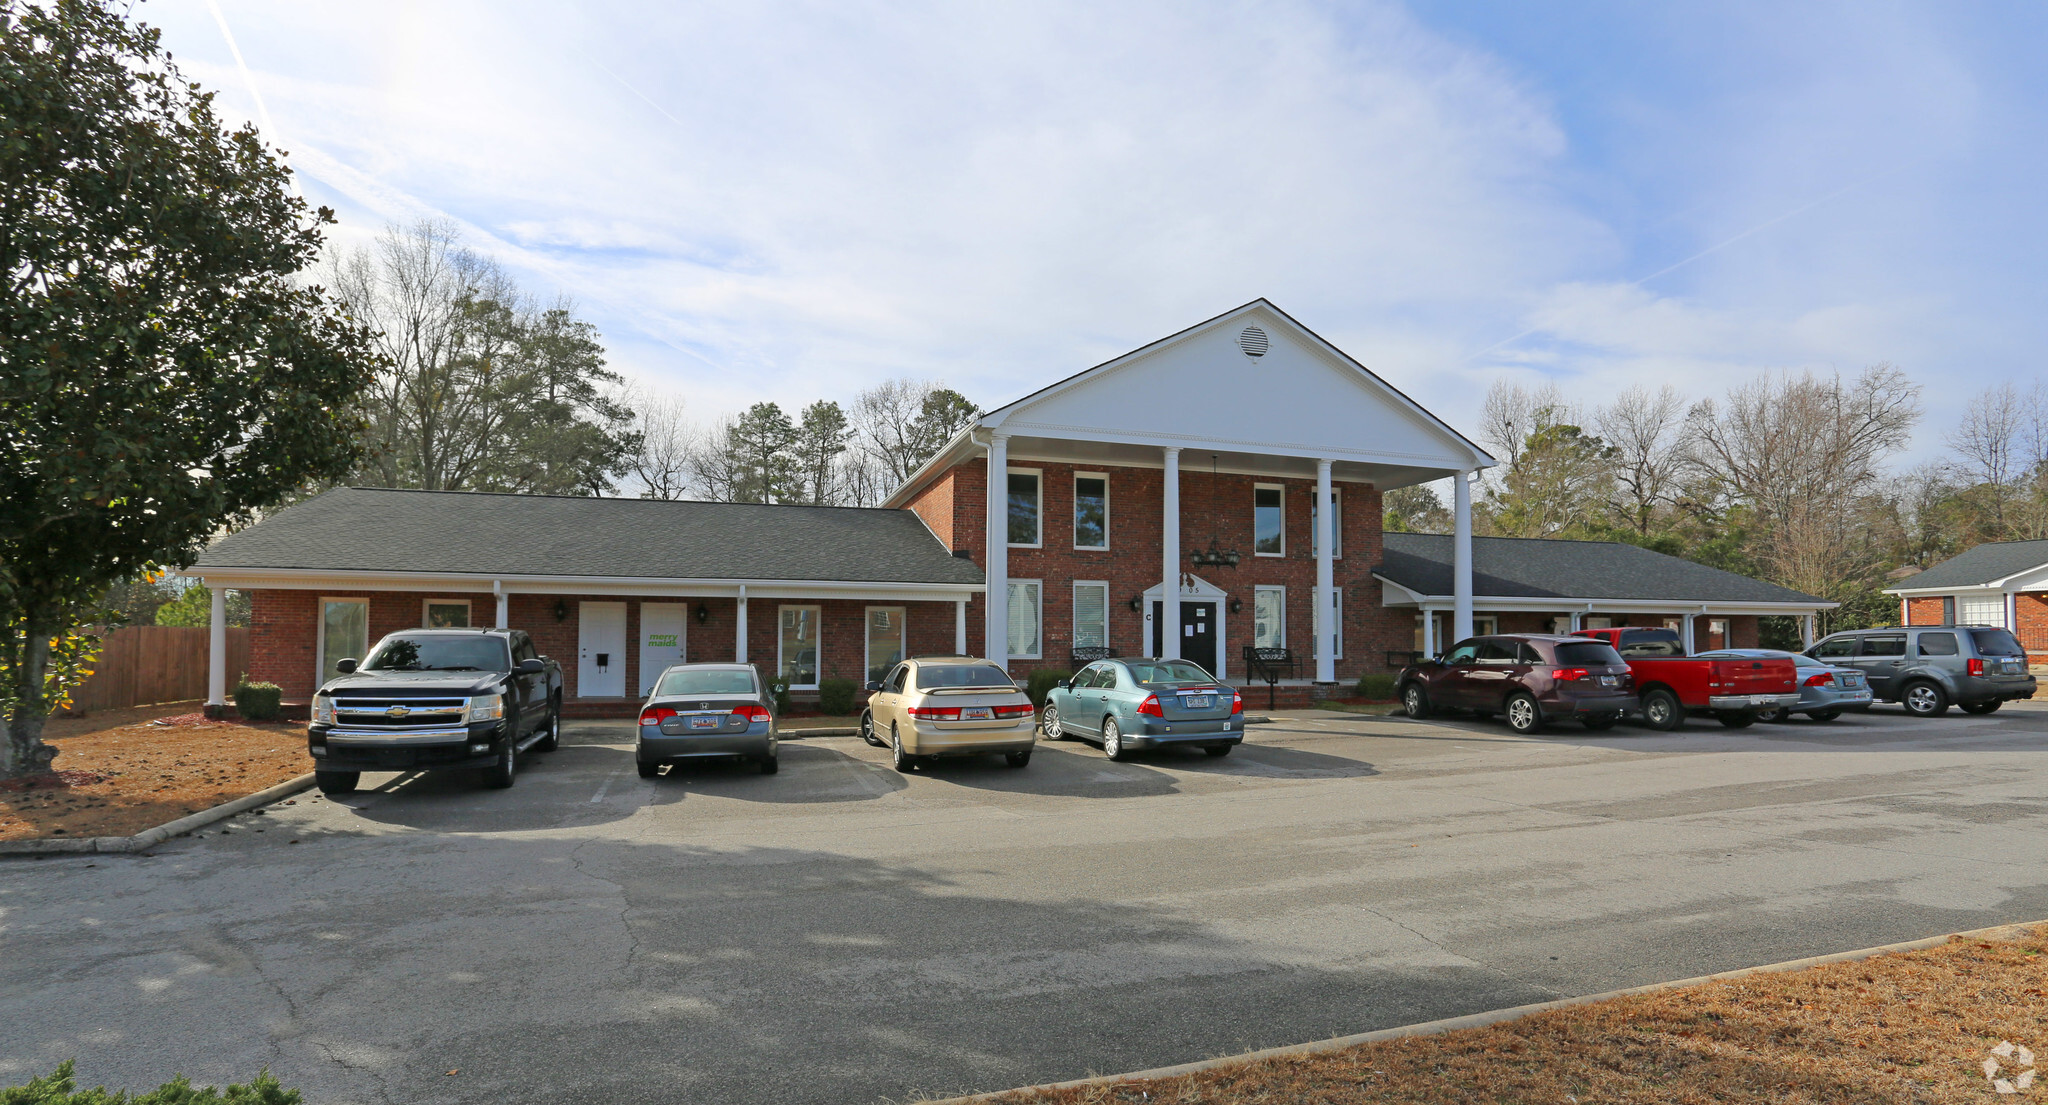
249 79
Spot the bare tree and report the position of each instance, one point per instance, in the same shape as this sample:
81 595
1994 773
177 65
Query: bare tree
662 461
1510 416
899 424
1647 431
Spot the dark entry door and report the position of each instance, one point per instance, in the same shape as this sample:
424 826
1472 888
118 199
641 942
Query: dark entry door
1197 633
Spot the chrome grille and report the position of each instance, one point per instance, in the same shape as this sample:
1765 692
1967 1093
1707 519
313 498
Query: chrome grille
399 713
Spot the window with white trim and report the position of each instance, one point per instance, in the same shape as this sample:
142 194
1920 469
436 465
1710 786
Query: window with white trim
1981 610
1269 520
1336 613
1091 614
1091 510
1315 542
1025 487
444 614
344 633
1269 617
1026 619
796 647
885 640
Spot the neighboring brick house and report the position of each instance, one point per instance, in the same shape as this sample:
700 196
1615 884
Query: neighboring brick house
1187 470
2003 583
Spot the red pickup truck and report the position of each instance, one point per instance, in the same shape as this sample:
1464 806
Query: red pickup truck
1671 684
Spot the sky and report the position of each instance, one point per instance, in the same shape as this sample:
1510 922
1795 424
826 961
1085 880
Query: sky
791 201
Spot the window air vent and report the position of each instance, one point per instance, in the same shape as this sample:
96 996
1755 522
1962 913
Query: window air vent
1253 341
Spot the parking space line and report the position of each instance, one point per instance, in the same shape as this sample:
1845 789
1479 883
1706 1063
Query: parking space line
605 786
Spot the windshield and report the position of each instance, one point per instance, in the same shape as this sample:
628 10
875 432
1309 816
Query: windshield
1169 671
437 653
1996 642
933 676
1592 654
691 681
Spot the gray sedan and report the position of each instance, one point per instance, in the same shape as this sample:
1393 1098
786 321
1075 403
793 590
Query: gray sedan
1824 690
707 712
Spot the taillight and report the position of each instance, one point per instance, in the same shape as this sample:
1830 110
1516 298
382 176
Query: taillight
751 712
1824 679
1150 707
655 715
936 713
1025 710
1976 667
1571 675
1236 703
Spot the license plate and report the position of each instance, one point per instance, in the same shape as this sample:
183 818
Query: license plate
975 713
1197 701
1762 700
1609 680
704 722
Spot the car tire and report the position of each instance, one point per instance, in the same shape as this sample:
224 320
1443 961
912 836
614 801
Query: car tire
1924 699
1776 714
1415 702
1113 740
500 775
554 738
1735 719
647 770
1017 759
1825 715
899 759
1600 723
771 765
1522 713
337 782
1219 749
1662 710
867 729
1049 723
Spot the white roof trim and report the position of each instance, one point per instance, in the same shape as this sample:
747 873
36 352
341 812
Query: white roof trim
661 586
1567 603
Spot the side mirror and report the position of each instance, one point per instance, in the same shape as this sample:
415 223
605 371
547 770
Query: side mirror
531 667
1066 684
874 686
344 667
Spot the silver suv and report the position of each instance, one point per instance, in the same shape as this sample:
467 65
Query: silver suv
1927 668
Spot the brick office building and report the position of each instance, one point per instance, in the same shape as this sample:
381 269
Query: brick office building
1162 503
2002 583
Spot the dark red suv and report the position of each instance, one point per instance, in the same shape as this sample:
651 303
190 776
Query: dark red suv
1528 678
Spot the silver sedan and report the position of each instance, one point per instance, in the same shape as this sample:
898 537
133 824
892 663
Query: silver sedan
1825 691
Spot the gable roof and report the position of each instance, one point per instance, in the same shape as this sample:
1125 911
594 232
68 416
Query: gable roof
1526 567
1978 567
372 529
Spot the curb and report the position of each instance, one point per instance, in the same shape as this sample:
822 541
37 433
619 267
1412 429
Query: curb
820 731
150 838
1478 1020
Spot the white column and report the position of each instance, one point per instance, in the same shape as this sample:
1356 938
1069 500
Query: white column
1578 620
1429 647
1461 557
504 604
2012 618
1169 557
1806 630
1326 579
217 648
960 627
996 644
739 644
1685 634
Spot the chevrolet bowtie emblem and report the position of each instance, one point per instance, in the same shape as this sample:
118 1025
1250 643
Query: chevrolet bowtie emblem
397 712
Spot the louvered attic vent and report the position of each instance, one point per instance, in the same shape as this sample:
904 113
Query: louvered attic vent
1253 342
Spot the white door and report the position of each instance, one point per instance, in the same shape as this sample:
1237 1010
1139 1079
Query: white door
601 650
661 639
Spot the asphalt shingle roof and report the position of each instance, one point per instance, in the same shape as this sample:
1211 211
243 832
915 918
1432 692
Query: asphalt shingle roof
365 529
1980 565
1519 567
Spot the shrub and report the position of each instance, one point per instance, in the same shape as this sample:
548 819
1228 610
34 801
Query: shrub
1377 686
60 1088
835 696
258 701
1042 682
780 689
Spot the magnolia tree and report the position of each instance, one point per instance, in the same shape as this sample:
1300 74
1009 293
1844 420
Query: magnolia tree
162 371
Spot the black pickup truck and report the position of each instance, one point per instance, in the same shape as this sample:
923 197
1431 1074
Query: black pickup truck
436 700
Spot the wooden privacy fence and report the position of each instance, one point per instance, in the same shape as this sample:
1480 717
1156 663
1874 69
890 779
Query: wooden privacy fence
156 663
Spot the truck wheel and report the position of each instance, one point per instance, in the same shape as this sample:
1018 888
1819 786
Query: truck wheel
1523 715
499 775
1990 707
337 782
1924 699
554 738
1662 710
1735 719
1415 701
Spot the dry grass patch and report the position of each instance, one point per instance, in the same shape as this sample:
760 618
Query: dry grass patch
120 772
1912 1027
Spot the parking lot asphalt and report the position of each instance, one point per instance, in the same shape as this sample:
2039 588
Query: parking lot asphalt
842 933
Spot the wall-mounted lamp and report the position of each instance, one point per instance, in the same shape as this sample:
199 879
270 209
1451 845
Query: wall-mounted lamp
703 613
1137 603
1236 605
561 610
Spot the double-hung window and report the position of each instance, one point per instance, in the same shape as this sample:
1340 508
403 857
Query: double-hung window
1091 510
1026 619
796 661
1025 503
1315 532
1269 617
445 614
1269 520
1091 615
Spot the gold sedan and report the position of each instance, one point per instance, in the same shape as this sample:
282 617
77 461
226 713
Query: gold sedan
949 706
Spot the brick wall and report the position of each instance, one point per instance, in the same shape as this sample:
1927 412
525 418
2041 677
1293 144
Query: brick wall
2030 611
1924 611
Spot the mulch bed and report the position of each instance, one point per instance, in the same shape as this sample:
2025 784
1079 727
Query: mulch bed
130 770
1910 1027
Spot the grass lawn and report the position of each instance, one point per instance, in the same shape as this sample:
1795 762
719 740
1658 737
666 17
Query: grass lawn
122 771
1910 1027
